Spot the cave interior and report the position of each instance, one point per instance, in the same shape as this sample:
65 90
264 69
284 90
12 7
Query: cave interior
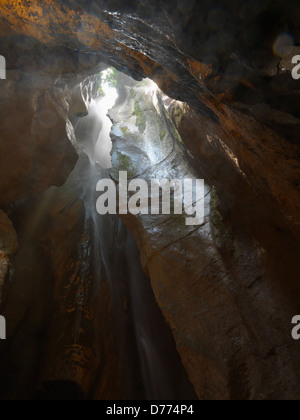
141 306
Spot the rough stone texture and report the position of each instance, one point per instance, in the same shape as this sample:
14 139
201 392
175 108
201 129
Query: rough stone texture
37 140
218 285
229 289
8 236
8 246
56 305
218 56
70 307
33 130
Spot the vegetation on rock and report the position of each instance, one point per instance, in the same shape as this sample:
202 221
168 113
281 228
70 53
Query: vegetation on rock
140 117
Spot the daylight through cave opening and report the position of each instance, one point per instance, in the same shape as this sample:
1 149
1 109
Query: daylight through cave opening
138 305
124 130
142 129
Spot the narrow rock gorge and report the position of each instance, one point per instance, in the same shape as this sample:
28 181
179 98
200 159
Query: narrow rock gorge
144 306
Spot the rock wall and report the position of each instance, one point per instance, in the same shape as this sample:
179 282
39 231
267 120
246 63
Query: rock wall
229 289
220 286
8 247
227 60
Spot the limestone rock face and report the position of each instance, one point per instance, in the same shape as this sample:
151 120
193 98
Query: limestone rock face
227 289
36 108
215 283
256 252
34 128
229 61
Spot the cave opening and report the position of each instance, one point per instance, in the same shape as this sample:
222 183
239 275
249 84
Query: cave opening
107 99
131 306
146 352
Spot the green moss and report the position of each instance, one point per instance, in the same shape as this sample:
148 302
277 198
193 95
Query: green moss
140 117
110 77
162 134
132 94
124 160
143 83
179 137
125 163
101 91
124 130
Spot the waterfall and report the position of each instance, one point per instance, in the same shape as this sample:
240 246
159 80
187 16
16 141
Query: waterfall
93 131
145 344
104 145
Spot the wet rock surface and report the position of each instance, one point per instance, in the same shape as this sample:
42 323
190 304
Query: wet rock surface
33 129
224 272
82 319
227 60
228 289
